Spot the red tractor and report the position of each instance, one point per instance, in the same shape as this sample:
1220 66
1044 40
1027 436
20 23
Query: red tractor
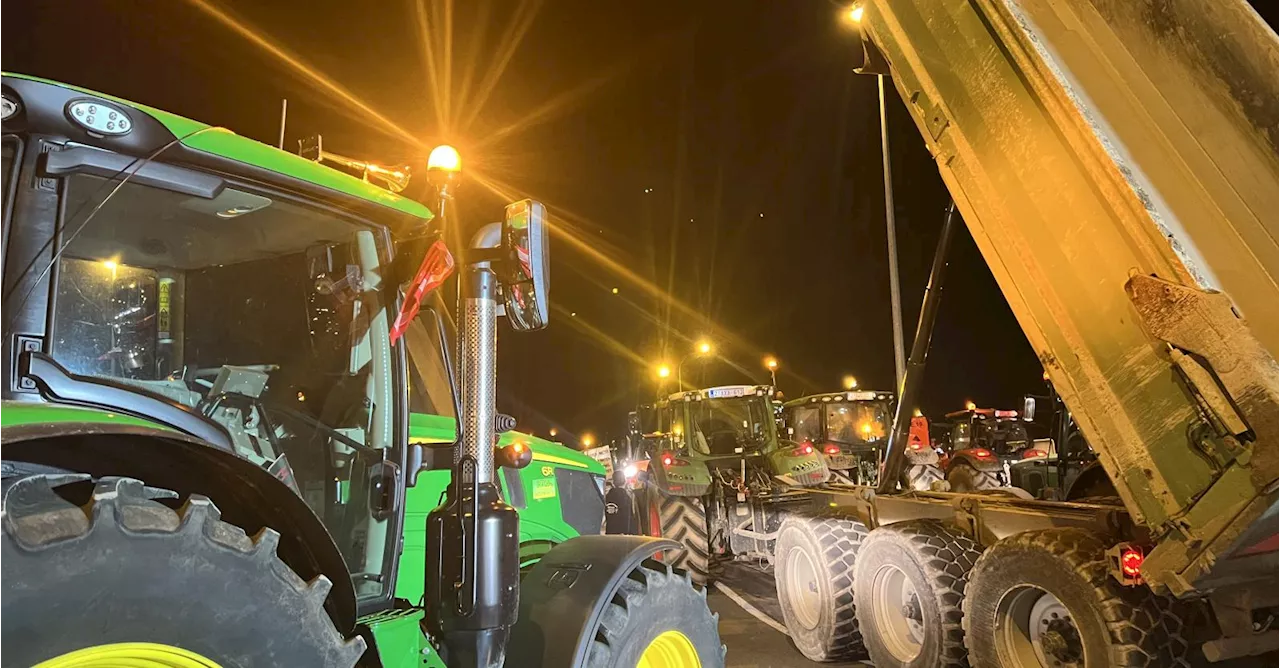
980 446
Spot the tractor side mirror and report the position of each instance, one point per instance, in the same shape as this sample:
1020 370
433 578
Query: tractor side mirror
526 281
648 420
1028 408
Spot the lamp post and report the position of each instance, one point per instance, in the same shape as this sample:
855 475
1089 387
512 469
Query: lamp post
703 348
771 363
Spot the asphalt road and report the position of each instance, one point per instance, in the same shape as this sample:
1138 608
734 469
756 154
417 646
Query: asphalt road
753 643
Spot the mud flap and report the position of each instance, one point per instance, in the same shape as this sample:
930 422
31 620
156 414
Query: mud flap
563 597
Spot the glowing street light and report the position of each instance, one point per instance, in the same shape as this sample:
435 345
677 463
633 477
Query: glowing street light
553 432
771 363
855 13
849 382
969 405
701 350
588 440
663 371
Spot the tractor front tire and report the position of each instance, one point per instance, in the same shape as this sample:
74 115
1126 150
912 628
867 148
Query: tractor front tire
814 565
963 477
684 520
657 618
126 569
1047 597
920 477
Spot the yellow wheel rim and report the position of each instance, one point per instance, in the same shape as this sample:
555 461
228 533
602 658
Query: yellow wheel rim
671 649
130 655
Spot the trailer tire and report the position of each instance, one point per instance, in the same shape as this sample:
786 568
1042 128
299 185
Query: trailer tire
1058 581
684 520
656 615
963 477
126 569
817 555
911 580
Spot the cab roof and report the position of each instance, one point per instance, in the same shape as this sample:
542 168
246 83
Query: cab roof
723 392
231 146
851 395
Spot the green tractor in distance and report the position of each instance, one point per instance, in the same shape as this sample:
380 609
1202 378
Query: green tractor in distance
848 428
718 473
212 367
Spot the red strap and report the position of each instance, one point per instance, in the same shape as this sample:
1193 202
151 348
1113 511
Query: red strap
435 268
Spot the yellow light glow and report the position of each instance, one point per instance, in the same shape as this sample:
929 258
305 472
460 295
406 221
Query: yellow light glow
855 13
664 371
553 431
444 158
588 440
110 265
770 363
614 291
704 347
969 405
849 382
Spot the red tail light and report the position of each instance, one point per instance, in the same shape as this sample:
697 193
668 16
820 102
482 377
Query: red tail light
1131 562
981 454
1033 453
832 449
803 450
668 460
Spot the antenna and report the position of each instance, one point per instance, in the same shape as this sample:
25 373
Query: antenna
284 112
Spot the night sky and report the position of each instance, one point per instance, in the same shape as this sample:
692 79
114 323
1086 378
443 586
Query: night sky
723 153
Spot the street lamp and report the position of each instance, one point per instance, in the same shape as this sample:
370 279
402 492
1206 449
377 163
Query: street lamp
663 372
771 364
703 348
850 382
588 440
855 13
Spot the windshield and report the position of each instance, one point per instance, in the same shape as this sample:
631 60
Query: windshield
857 423
722 426
806 424
264 315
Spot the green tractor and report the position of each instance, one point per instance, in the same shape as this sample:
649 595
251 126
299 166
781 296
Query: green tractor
559 496
849 429
719 473
222 363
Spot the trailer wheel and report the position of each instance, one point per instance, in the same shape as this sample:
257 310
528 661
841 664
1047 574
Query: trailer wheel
1046 598
684 520
814 563
963 477
657 618
125 579
911 580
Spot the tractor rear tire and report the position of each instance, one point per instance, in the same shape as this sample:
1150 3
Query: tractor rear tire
1058 581
684 520
911 581
813 572
125 568
920 477
658 616
963 477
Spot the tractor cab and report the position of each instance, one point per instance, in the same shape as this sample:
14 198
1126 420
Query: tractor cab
848 428
724 432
